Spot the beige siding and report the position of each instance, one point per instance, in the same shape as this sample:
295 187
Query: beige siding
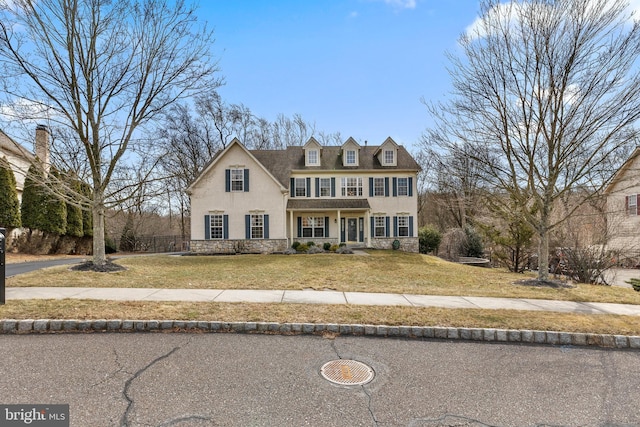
264 195
623 228
19 161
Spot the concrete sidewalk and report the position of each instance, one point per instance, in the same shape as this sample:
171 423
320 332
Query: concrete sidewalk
319 297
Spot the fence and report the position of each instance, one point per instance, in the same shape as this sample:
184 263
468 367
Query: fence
153 244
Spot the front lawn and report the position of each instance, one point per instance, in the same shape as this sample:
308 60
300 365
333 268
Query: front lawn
381 271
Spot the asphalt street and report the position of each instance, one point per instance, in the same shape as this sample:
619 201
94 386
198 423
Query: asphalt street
178 379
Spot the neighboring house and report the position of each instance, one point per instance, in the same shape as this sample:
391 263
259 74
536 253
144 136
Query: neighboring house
261 201
20 159
623 207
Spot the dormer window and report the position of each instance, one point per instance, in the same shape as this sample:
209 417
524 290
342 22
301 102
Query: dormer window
312 157
351 158
389 157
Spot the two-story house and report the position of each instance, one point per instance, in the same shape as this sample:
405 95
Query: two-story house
20 159
261 201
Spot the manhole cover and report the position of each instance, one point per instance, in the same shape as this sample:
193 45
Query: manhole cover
347 372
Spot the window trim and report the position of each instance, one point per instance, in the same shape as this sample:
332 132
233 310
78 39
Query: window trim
382 191
316 226
348 154
344 186
386 159
402 218
383 227
234 172
219 228
257 227
313 157
405 187
298 187
633 205
323 187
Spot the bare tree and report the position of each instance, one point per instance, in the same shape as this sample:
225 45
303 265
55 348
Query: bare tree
546 93
104 69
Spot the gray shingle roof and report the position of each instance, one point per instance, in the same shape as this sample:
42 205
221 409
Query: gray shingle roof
317 204
281 162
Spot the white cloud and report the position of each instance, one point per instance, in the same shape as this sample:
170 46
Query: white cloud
402 4
23 110
508 12
353 14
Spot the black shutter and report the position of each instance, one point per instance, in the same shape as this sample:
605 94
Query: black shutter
265 224
246 180
207 227
227 180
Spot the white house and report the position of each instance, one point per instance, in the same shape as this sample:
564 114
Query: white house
623 207
261 201
20 159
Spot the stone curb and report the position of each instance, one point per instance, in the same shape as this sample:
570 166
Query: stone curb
40 326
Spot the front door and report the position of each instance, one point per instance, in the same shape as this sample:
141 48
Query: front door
352 229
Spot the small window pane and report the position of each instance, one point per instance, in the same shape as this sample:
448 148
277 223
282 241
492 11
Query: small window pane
237 179
216 226
403 186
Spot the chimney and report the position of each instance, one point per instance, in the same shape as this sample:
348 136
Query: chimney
42 147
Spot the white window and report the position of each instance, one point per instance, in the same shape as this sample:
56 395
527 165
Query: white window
312 157
216 224
325 187
389 157
351 187
351 157
301 187
257 226
237 179
632 206
378 187
403 186
379 226
403 226
313 226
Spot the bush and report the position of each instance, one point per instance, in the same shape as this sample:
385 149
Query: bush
289 251
326 246
109 245
310 244
334 248
395 245
430 239
342 245
472 246
635 283
315 250
302 248
295 245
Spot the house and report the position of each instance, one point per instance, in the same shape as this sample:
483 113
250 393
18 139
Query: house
261 201
20 159
623 210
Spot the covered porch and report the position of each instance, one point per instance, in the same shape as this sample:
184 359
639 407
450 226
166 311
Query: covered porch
329 220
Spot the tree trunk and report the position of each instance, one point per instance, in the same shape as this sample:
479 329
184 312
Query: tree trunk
543 255
99 255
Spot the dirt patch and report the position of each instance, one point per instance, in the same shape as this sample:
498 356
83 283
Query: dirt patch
555 284
109 267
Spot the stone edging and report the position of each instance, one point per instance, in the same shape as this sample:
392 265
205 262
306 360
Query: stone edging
13 326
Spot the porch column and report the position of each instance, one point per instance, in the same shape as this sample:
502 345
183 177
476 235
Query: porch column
367 228
290 228
339 228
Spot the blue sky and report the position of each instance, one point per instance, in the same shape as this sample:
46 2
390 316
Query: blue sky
358 67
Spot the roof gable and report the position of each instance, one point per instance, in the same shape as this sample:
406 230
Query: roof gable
221 154
623 171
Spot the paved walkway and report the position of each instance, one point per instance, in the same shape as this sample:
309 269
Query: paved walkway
319 297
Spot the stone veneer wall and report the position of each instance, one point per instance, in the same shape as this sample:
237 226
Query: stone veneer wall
266 246
407 244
